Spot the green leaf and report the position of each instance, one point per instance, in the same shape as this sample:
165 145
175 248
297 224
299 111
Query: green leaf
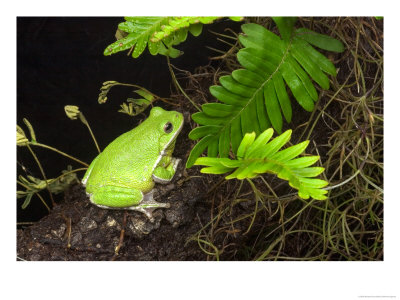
305 80
202 118
302 162
27 200
320 40
310 66
226 96
202 131
159 33
218 109
236 134
313 183
169 51
285 25
259 37
247 78
232 85
237 19
258 155
272 105
223 143
291 152
145 94
255 96
309 172
276 144
198 150
298 89
246 142
140 30
195 29
258 144
140 46
283 97
325 64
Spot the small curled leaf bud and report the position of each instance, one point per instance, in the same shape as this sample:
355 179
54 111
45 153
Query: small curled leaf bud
21 138
72 111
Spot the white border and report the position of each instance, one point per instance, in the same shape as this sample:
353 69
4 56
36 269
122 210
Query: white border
199 280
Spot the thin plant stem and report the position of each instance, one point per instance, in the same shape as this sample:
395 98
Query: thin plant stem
25 223
43 174
142 88
94 139
37 194
178 85
84 121
44 202
69 172
59 152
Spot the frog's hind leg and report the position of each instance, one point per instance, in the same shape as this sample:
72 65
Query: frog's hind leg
114 197
148 205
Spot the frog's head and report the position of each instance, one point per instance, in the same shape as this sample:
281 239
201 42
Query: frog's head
169 124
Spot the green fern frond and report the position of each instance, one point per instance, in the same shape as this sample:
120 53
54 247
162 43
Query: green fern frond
259 155
180 26
158 33
139 31
255 98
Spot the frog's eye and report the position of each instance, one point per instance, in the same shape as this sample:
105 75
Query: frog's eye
168 127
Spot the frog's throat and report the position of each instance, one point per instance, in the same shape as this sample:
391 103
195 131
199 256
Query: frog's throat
163 151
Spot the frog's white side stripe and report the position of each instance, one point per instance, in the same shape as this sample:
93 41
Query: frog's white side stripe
162 153
160 180
84 180
88 172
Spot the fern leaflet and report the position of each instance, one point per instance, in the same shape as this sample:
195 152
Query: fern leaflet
158 33
259 155
255 98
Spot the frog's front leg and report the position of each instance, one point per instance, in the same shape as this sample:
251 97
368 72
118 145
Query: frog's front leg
166 169
114 197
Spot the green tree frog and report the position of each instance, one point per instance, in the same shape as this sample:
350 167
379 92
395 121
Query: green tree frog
124 174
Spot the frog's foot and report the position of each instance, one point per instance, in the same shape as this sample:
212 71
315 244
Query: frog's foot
148 205
165 174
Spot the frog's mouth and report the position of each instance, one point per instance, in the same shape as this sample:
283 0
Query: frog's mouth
172 141
169 146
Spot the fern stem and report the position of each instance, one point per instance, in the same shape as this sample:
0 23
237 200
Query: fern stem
206 225
269 187
356 173
25 223
342 183
69 172
177 85
60 152
36 193
44 202
84 121
43 174
216 254
257 196
270 248
94 139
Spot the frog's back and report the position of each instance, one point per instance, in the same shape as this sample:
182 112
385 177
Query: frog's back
128 161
